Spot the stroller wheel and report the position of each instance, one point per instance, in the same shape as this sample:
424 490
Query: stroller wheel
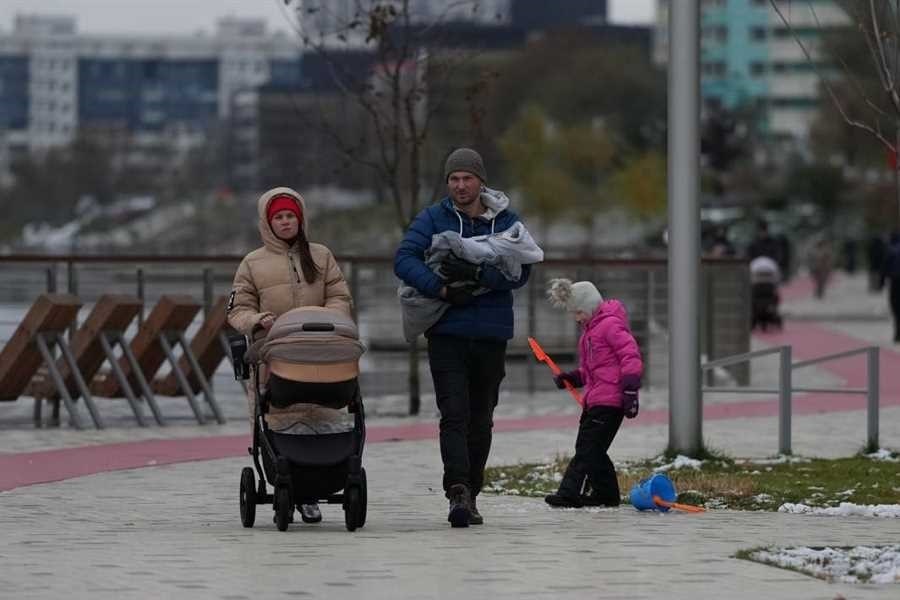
352 503
248 497
284 508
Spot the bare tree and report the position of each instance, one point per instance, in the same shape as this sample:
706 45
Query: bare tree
412 57
878 24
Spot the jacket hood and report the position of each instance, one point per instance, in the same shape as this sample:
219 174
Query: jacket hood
495 202
609 308
269 239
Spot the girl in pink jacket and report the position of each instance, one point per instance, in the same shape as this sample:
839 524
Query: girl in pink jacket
610 370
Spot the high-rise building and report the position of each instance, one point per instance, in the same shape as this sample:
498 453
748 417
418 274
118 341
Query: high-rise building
55 81
750 58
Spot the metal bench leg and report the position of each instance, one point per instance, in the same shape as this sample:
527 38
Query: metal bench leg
198 373
142 381
58 380
79 382
123 381
182 380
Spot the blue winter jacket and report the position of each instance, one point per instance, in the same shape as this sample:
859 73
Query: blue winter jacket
489 315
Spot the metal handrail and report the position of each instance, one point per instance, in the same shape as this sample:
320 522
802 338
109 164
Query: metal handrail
786 389
739 358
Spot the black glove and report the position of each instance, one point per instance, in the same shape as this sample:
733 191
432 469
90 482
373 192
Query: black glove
458 296
573 377
455 269
630 403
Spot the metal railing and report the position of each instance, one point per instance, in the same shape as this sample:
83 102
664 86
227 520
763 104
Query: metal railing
786 388
642 284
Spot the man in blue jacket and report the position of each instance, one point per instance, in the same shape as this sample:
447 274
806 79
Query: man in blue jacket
467 346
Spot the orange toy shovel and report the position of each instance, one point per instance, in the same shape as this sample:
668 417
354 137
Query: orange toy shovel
685 507
542 357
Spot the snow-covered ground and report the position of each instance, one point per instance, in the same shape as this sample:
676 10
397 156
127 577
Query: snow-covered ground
845 509
859 564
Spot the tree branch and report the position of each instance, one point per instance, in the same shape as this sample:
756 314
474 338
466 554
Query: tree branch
874 131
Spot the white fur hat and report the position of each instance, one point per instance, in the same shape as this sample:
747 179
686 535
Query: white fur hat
581 295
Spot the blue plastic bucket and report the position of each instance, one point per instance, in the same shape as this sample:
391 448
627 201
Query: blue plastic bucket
656 485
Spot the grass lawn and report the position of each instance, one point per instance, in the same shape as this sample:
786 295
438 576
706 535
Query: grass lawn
737 484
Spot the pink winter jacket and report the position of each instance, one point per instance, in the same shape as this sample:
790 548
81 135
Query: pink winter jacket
608 352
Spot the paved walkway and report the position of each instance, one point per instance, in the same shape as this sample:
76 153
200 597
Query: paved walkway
100 528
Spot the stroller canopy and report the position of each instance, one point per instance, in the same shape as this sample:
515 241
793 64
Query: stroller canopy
312 335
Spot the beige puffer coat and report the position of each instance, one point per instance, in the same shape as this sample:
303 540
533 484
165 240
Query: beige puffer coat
269 281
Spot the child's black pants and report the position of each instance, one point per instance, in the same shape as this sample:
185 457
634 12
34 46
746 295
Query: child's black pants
596 430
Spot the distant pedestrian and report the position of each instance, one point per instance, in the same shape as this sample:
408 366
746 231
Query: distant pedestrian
720 245
850 250
764 244
876 249
890 269
610 370
784 256
820 266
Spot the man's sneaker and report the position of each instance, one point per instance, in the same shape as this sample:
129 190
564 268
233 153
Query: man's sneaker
561 501
460 505
310 513
475 517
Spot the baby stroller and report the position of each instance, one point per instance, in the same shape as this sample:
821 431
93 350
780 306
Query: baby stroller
764 278
312 356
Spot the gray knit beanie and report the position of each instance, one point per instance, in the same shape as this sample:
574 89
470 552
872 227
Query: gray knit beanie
465 159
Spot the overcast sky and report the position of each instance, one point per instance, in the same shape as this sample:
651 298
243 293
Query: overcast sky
188 16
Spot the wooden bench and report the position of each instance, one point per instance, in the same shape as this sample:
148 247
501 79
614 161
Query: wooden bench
31 346
153 344
208 346
92 344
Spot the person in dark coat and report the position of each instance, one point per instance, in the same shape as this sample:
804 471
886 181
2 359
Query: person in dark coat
765 245
876 249
890 269
467 346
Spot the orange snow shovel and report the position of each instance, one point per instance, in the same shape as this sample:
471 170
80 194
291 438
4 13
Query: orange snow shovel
542 357
685 507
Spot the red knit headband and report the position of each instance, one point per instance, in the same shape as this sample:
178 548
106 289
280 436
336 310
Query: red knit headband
283 202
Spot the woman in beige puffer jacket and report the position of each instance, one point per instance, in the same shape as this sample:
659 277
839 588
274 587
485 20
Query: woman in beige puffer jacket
284 274
287 272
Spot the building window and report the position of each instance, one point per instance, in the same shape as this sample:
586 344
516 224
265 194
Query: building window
715 69
758 34
757 69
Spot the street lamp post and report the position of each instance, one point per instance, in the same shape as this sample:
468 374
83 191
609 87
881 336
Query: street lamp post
685 401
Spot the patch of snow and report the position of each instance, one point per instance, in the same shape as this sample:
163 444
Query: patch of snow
883 454
680 462
781 459
869 564
762 498
845 509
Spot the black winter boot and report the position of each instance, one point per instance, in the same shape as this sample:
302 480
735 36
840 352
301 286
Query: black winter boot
475 517
460 505
561 501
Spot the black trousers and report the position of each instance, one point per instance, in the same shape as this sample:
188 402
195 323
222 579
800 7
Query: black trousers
596 430
467 375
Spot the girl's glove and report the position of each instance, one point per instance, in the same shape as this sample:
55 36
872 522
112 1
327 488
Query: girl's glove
573 377
630 404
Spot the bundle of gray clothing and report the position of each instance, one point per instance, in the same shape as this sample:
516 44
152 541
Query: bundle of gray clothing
506 251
